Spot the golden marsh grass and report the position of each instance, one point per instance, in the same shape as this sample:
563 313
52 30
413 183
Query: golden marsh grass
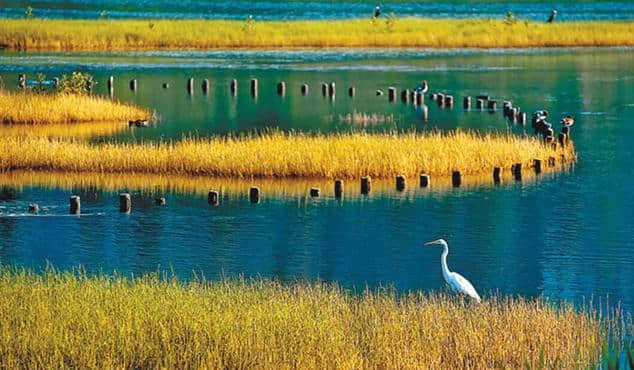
32 108
86 130
281 155
70 320
96 35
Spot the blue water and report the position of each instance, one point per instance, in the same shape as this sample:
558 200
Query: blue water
241 9
565 237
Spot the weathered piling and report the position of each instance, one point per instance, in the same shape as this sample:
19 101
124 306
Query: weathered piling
379 92
22 81
133 84
338 189
566 130
517 171
233 86
75 205
190 85
483 97
400 182
254 195
125 203
366 184
497 172
551 161
522 118
166 85
254 87
34 208
332 89
415 97
55 82
351 91
110 83
205 86
506 108
281 88
424 180
213 197
314 192
537 166
304 89
466 102
433 96
324 89
562 139
492 106
391 93
405 96
449 101
479 104
456 179
160 201
440 99
425 112
420 98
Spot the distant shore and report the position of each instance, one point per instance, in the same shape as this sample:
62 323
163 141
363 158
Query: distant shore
384 32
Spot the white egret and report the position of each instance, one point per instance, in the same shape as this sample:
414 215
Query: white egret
457 282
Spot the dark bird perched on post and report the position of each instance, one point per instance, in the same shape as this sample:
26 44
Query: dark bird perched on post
552 17
377 12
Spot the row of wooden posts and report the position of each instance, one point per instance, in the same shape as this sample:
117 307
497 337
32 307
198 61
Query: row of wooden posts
213 197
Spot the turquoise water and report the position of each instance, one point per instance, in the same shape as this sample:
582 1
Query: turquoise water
566 236
535 10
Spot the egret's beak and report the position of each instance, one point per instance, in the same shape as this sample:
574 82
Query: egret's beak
432 242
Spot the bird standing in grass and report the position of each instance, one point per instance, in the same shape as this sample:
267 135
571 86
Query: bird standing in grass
458 283
377 11
552 17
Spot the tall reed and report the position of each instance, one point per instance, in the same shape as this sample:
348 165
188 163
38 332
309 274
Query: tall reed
70 320
96 35
277 154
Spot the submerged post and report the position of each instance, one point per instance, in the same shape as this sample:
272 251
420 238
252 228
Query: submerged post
366 184
352 91
331 89
480 104
190 85
304 89
551 161
517 171
391 93
75 205
420 98
125 203
254 195
449 101
205 86
160 201
281 89
424 180
338 189
562 139
234 87
440 99
537 165
492 106
133 84
324 89
497 175
314 192
466 102
400 182
254 87
213 197
110 83
405 96
456 179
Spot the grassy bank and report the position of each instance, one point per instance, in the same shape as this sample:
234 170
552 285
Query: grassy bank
97 35
63 320
285 155
33 108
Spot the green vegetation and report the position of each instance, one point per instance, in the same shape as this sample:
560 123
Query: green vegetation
389 31
70 320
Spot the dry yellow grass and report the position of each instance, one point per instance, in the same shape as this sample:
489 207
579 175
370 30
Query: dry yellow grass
40 34
66 320
32 108
286 155
86 130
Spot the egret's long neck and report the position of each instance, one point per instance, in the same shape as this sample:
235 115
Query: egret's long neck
443 262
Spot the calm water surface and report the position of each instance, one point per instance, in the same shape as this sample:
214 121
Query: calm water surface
240 9
567 237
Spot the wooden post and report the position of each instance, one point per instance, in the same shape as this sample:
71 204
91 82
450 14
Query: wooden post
456 179
338 189
75 205
281 89
133 84
160 201
304 89
433 96
483 97
480 104
351 91
415 97
440 99
522 118
110 83
391 93
400 182
22 81
492 106
517 171
379 92
562 139
537 165
166 85
125 203
314 192
449 101
497 178
366 184
506 108
424 180
420 98
213 197
205 86
190 85
34 208
425 112
254 195
233 86
466 102
331 89
551 161
324 89
405 96
254 87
